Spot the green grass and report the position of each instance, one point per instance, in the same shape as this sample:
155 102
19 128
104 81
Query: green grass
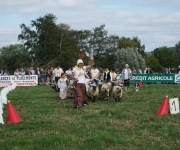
48 123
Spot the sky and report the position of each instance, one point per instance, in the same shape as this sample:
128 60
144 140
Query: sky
155 22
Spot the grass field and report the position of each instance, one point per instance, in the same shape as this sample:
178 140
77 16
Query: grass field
48 123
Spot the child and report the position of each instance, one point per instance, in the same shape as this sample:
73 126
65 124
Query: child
63 85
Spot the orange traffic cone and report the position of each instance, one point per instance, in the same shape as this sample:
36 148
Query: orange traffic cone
140 83
13 116
163 110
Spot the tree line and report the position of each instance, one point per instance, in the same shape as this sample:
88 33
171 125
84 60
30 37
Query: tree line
46 43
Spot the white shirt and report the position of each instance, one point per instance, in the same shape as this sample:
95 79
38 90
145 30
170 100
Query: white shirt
22 73
32 71
94 73
79 74
57 72
16 73
126 73
139 71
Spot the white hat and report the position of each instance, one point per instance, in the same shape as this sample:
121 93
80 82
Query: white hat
126 65
79 61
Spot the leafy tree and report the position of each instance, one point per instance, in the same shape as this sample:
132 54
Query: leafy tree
14 56
153 63
85 41
2 63
49 43
128 56
126 42
93 41
40 39
112 44
99 40
140 48
177 50
166 56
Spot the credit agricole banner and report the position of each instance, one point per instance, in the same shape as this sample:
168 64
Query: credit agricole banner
154 78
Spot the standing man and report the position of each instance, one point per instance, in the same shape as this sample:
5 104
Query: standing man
134 71
95 75
78 75
139 71
57 74
148 71
38 73
126 76
32 70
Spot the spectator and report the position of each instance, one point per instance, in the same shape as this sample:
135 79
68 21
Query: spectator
169 69
134 71
48 79
16 73
145 70
148 71
28 72
52 76
6 73
38 73
139 71
166 71
43 75
32 71
2 72
22 72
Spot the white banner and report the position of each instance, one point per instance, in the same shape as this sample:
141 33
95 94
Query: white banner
26 80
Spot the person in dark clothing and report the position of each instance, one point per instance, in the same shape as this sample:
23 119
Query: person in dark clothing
148 71
107 76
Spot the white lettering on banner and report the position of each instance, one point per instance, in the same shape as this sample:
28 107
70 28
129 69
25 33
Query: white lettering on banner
26 80
160 78
139 77
5 78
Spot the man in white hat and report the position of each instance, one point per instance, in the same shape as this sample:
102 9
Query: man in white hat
78 75
126 76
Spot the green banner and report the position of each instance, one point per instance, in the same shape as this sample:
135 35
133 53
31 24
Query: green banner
154 78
